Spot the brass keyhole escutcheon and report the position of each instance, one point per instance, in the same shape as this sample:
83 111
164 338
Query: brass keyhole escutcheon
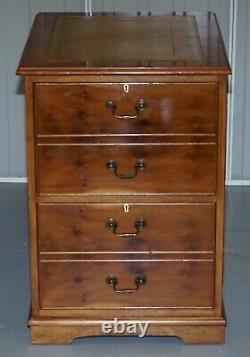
126 88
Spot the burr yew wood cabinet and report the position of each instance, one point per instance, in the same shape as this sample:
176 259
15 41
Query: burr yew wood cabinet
126 120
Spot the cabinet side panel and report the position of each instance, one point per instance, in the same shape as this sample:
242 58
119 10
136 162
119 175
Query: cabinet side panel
222 90
30 140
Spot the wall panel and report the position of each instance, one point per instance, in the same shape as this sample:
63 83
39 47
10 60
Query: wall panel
241 115
16 30
13 34
4 125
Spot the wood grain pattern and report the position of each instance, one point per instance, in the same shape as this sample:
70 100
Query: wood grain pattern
171 108
83 284
189 334
169 169
36 60
179 190
82 228
179 40
30 152
221 196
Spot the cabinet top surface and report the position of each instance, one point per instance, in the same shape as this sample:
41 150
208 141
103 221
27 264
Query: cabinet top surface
176 43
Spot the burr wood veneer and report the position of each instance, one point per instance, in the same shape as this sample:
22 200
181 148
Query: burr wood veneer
126 120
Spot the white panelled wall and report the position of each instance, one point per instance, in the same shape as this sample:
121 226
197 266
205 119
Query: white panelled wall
16 17
240 123
15 21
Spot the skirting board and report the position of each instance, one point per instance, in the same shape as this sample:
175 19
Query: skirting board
13 179
237 182
24 180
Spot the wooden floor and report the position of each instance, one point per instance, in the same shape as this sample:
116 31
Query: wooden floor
14 291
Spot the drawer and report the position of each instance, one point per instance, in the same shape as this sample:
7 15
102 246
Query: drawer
105 108
126 169
144 228
92 284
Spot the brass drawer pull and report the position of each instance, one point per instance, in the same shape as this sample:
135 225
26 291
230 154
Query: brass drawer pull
140 106
112 165
139 281
113 224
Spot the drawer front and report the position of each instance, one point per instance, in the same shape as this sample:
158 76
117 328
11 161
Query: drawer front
175 108
109 228
127 169
83 285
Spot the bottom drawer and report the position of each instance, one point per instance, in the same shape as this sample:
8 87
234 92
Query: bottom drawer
93 284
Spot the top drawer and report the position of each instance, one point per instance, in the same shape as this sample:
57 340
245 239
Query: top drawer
114 108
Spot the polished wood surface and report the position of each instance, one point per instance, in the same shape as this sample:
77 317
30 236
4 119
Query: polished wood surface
155 38
83 284
178 133
175 169
169 227
184 312
175 108
173 43
189 334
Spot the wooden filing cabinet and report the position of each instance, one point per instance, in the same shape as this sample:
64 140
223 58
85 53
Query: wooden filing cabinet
126 122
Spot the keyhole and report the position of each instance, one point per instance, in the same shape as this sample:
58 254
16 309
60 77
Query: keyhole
126 207
126 88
